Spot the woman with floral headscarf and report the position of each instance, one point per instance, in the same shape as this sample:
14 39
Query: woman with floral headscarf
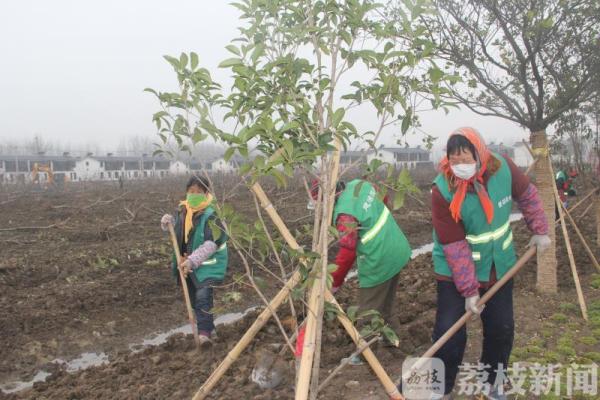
473 248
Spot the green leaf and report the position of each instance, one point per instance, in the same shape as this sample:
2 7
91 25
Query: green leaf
229 153
245 168
398 200
231 62
183 60
547 23
368 313
405 123
436 74
194 60
259 50
288 147
261 283
338 115
351 312
279 177
173 61
390 335
233 49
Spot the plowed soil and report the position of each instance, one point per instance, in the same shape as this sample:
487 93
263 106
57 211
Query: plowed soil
81 281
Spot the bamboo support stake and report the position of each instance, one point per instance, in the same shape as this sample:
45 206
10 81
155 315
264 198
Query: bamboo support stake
186 294
580 297
308 349
530 168
467 315
582 238
368 354
245 340
274 215
597 202
324 237
571 209
345 362
535 158
528 147
584 213
587 196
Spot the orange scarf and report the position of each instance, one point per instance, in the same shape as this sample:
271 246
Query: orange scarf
460 185
189 214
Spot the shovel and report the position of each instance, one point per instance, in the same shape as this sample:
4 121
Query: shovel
268 372
186 294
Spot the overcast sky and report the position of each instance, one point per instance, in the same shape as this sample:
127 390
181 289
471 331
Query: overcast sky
74 71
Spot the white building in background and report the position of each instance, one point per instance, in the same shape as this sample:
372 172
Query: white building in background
88 169
522 157
403 157
220 165
19 169
353 158
179 168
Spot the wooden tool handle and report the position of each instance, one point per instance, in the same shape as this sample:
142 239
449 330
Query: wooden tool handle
186 294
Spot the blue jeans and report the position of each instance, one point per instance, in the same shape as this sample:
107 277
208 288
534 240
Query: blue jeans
498 330
201 296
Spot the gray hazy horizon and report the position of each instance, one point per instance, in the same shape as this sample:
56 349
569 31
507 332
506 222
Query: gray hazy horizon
73 72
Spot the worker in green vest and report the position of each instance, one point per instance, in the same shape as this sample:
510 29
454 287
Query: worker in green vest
369 236
473 248
564 182
203 244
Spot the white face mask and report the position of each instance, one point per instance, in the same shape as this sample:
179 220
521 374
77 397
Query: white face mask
464 171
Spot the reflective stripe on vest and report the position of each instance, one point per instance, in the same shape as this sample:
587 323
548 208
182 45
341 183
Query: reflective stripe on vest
371 233
507 242
213 261
489 236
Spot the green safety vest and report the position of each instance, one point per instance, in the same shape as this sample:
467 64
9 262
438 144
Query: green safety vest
382 250
216 266
491 244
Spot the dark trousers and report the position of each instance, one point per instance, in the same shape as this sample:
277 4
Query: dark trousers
381 298
201 297
498 330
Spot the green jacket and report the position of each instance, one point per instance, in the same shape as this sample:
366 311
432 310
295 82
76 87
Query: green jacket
382 249
216 266
491 244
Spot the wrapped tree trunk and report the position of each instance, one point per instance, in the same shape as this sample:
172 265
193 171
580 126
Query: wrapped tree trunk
546 261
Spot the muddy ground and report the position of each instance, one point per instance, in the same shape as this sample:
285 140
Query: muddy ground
92 284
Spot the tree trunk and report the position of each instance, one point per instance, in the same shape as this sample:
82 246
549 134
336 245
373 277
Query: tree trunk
546 261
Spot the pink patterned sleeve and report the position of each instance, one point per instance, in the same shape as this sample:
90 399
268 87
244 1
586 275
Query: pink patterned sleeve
202 253
460 260
530 204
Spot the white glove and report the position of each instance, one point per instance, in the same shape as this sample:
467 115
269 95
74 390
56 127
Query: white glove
471 305
165 221
541 242
186 267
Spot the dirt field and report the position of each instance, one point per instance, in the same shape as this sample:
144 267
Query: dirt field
91 281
